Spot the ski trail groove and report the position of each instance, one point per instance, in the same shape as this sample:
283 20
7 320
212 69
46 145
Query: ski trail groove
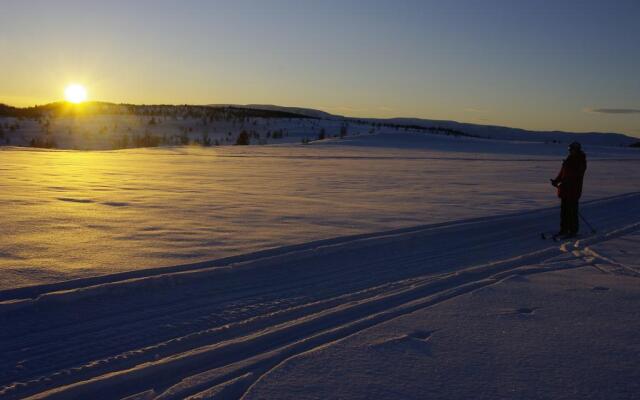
350 317
217 330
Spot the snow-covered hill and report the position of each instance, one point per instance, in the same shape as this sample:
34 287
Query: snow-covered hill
99 126
310 112
478 130
515 134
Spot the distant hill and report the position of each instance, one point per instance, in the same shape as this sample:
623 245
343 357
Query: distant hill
506 133
235 111
310 112
6 110
9 111
462 128
191 111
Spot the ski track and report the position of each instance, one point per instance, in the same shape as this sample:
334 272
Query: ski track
212 330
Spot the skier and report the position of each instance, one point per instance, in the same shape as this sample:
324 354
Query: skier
569 184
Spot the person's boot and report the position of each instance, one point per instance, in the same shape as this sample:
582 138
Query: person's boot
560 233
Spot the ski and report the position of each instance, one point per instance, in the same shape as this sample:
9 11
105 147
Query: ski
552 236
556 238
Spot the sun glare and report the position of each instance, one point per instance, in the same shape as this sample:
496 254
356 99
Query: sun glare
75 93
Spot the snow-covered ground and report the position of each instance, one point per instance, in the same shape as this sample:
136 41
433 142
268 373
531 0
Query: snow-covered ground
69 214
352 270
570 332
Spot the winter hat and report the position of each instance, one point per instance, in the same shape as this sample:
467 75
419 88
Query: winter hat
575 145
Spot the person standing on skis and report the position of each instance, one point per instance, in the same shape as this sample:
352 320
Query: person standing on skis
569 184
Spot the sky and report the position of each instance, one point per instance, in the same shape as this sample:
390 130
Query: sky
543 65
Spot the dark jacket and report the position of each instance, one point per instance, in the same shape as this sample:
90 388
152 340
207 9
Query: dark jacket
571 175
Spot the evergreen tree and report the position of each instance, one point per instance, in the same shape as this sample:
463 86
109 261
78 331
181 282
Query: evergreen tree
206 140
344 130
243 138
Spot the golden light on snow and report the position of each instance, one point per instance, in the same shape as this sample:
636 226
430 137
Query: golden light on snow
75 93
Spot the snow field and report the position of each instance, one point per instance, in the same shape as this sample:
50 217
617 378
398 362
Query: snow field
570 332
182 334
267 259
72 215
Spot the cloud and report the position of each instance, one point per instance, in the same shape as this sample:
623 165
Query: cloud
614 110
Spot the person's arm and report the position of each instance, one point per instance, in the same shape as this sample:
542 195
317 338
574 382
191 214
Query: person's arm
558 180
583 169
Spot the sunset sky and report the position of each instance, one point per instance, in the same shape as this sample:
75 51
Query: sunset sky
566 65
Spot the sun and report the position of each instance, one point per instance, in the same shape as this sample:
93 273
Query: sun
75 93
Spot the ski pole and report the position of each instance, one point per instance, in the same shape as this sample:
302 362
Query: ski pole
586 222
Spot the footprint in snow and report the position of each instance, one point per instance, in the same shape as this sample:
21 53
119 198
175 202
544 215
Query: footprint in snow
521 311
416 341
516 278
421 335
116 203
74 200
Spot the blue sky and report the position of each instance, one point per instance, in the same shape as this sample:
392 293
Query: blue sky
570 65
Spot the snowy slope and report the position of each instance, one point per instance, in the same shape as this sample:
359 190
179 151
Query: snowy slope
223 330
507 133
100 126
482 131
